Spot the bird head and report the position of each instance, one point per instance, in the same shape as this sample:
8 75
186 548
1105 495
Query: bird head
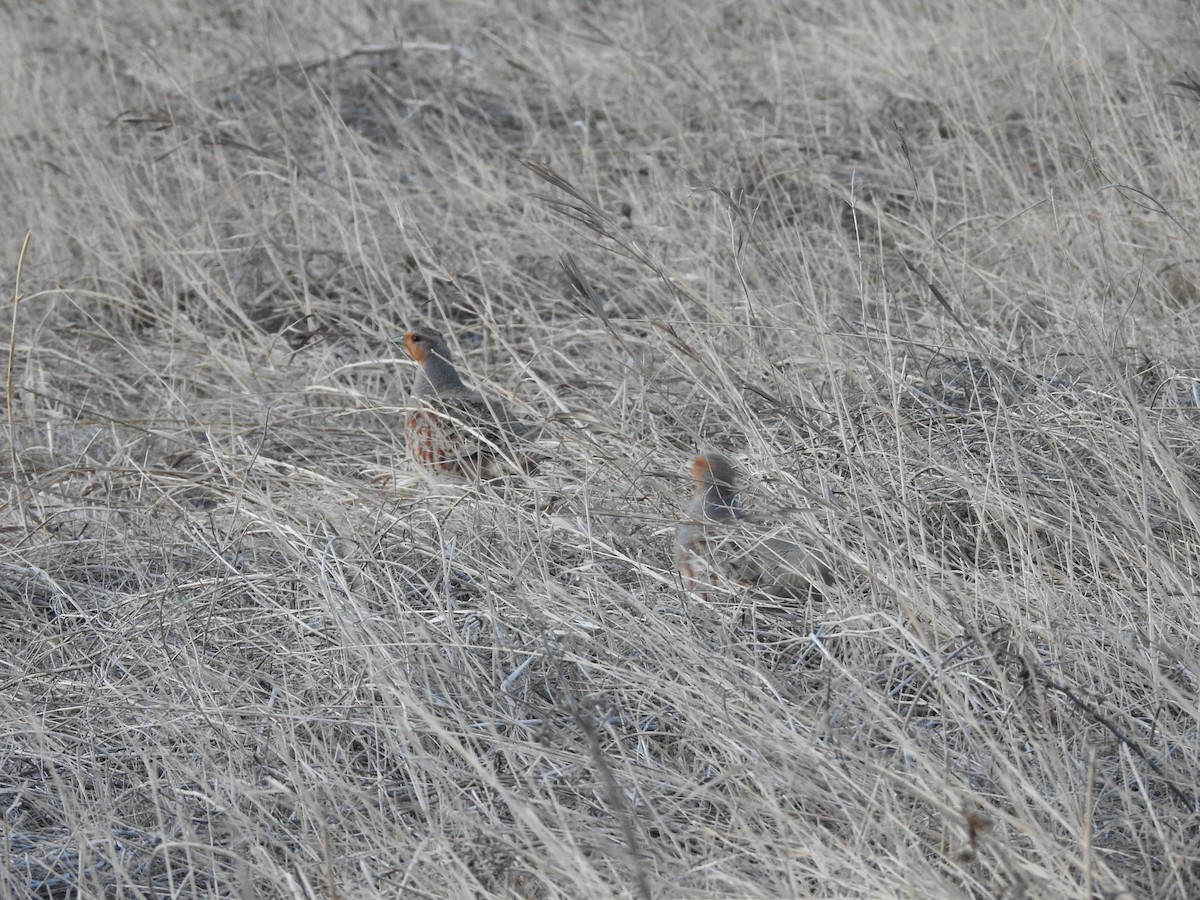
713 469
423 343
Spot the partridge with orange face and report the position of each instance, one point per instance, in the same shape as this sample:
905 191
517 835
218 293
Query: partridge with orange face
719 542
451 430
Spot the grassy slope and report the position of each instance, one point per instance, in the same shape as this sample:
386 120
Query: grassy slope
932 275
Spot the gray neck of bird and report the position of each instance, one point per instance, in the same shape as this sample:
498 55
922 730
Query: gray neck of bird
439 374
722 501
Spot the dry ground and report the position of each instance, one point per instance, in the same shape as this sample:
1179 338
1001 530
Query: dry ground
931 276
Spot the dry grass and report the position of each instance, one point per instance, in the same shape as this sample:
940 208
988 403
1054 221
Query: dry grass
930 276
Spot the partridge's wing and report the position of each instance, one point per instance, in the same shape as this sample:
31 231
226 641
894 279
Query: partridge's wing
492 413
779 567
801 571
473 433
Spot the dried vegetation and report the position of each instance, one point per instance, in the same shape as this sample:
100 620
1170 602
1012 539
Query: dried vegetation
934 284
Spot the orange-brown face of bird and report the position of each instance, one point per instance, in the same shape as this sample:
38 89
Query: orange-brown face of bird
417 345
701 472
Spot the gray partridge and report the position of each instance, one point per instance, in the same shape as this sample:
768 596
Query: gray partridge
452 430
718 540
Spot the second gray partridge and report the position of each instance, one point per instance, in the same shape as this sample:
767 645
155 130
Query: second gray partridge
717 540
452 430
